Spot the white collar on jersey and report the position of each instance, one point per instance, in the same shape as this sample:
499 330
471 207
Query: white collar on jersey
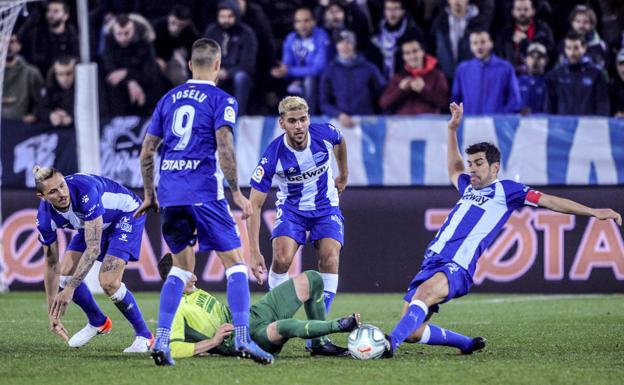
490 185
293 149
197 81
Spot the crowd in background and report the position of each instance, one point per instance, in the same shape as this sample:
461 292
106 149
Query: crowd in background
346 57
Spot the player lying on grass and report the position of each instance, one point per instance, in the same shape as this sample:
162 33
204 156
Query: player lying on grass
101 210
203 325
470 228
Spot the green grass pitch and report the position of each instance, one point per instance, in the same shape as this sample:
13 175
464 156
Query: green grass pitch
532 339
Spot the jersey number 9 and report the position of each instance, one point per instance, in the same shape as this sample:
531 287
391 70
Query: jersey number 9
182 126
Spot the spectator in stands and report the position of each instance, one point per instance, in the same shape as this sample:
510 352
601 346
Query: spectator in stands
175 35
420 87
266 58
129 63
513 40
583 21
395 24
617 87
23 86
451 31
239 49
305 56
577 87
58 103
486 84
43 43
281 14
338 15
533 83
351 84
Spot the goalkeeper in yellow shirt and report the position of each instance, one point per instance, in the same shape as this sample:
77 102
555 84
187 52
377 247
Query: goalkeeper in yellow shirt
203 325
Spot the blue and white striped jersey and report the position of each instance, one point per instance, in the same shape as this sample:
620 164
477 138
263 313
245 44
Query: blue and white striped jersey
477 218
187 119
91 196
304 178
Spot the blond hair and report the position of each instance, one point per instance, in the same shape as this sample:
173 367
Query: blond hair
292 103
42 174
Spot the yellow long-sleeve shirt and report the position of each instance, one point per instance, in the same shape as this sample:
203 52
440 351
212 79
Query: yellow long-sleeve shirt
198 318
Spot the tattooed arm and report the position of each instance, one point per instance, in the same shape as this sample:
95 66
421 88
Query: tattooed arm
227 160
150 200
93 238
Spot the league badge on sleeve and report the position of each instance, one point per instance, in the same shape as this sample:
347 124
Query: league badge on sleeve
258 174
229 115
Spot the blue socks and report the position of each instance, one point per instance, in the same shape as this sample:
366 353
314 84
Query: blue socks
328 298
84 299
170 296
435 335
124 300
413 318
238 299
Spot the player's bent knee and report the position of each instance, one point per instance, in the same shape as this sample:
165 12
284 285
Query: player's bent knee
109 285
316 282
302 287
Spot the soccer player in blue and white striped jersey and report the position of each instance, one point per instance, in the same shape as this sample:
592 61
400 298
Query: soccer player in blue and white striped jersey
307 200
470 228
194 122
101 212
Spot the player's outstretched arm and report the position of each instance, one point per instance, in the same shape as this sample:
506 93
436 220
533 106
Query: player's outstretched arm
340 152
150 200
93 238
257 263
455 163
227 160
568 206
51 284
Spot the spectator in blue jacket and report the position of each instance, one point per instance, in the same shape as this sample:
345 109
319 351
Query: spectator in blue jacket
577 87
533 83
304 57
351 84
486 84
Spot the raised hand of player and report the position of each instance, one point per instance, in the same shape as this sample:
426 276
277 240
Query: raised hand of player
457 111
57 328
147 205
604 214
258 266
242 203
60 303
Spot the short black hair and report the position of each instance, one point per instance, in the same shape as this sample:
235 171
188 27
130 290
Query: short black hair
64 59
492 153
123 19
164 265
480 29
573 35
62 2
410 38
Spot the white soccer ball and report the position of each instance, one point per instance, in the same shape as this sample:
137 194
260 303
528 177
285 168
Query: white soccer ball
366 342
